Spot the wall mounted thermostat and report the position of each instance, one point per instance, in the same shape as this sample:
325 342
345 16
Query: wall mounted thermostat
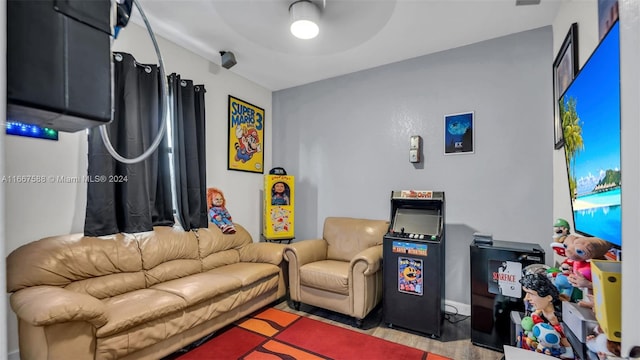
414 148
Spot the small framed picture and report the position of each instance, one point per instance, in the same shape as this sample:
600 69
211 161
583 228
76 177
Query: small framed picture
565 68
607 16
458 133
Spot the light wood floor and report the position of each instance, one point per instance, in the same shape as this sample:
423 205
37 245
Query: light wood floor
454 343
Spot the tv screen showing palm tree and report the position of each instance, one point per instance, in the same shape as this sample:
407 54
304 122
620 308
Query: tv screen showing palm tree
590 114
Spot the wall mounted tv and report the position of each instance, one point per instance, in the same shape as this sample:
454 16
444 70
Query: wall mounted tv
590 113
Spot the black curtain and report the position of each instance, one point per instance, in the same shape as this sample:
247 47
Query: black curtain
135 197
188 114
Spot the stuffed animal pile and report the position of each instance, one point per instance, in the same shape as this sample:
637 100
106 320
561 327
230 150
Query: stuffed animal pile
575 273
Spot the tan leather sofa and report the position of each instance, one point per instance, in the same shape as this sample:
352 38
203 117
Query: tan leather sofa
137 296
342 271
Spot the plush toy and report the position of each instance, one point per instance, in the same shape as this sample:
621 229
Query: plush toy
561 280
561 229
560 277
527 325
218 213
548 339
599 344
581 250
527 340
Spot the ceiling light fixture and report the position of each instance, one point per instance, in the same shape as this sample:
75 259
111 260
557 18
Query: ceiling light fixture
305 16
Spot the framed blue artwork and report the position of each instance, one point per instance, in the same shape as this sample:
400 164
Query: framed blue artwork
458 133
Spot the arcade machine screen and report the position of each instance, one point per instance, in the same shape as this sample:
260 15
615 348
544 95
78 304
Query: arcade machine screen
417 221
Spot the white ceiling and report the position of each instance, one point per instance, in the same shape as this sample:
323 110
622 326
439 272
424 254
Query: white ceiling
354 34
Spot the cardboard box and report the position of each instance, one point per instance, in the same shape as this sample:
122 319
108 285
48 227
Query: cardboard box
581 321
279 205
607 287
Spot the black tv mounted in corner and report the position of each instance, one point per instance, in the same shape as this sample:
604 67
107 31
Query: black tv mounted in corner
590 114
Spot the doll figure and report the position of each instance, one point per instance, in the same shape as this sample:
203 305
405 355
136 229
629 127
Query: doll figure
544 298
603 347
581 250
218 213
561 229
561 280
279 194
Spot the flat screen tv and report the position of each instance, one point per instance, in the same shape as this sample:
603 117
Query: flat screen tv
590 113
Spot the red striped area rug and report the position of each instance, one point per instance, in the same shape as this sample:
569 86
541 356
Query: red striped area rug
274 334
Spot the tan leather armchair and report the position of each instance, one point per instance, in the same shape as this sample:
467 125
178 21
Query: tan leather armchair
342 271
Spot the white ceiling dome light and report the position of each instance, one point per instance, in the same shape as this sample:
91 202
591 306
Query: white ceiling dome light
305 17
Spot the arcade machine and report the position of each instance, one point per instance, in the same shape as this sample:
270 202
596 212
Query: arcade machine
413 262
496 270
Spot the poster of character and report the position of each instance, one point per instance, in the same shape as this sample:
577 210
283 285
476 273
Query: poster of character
246 136
410 280
504 278
458 133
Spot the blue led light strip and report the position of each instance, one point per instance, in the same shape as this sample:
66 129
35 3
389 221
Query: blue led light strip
34 131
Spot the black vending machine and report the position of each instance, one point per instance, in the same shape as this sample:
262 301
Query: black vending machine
413 262
496 270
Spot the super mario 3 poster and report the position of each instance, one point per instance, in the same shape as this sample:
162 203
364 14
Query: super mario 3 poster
246 136
410 279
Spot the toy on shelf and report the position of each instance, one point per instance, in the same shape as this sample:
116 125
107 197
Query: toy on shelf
561 229
581 250
548 339
527 339
560 275
218 213
544 298
599 344
561 280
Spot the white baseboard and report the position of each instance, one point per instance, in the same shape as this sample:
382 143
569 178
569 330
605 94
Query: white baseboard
463 309
14 355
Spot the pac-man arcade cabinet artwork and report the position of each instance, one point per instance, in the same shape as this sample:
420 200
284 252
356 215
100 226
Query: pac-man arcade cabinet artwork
413 256
279 207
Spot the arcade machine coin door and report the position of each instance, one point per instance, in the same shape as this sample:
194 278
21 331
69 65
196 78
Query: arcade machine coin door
413 262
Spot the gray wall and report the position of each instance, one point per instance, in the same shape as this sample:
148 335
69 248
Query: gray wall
346 140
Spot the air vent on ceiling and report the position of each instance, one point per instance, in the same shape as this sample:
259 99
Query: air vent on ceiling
527 2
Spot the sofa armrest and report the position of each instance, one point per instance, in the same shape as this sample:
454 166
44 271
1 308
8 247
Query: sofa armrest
306 251
371 258
365 280
299 254
48 305
262 252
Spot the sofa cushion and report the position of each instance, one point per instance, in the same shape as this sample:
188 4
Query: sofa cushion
61 260
138 307
200 287
346 237
172 269
247 273
109 285
222 258
211 240
168 253
329 275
